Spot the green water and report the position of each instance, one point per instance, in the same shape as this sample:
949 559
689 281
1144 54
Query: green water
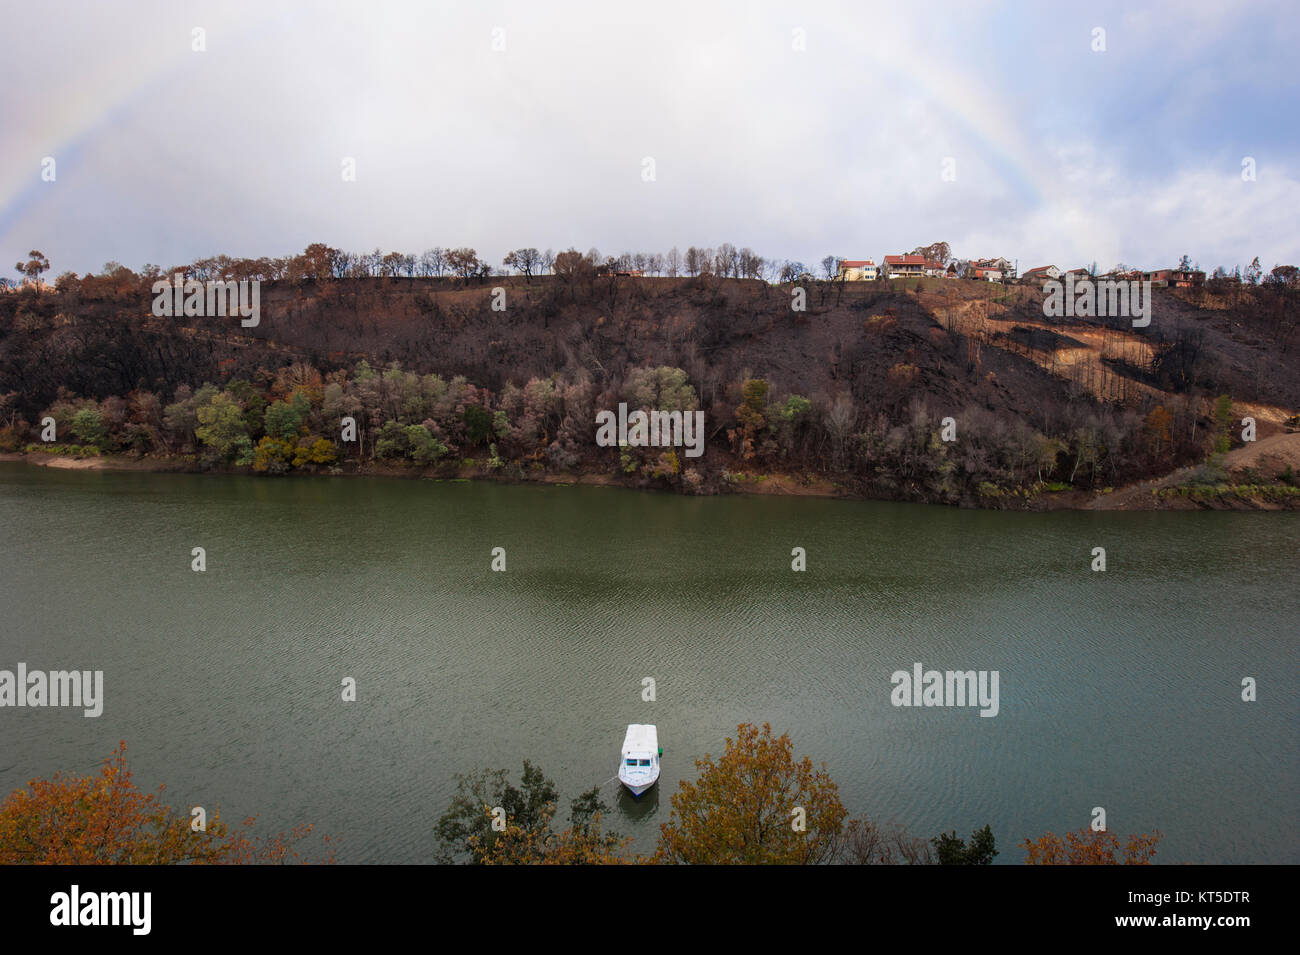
1119 689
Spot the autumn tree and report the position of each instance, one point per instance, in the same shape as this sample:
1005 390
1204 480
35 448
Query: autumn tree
1090 847
106 819
36 264
755 804
1285 275
574 268
526 261
751 415
463 262
1156 426
319 261
934 252
582 843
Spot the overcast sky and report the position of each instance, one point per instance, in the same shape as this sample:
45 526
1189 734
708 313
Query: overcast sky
1061 154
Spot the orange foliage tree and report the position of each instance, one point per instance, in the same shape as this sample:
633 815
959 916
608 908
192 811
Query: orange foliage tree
106 819
741 810
1157 430
751 415
1089 847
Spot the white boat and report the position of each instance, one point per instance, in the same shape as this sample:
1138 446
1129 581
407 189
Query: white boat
638 770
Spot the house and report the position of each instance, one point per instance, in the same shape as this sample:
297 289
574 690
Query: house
1003 267
933 269
1175 278
982 274
952 271
1041 273
1078 275
857 270
904 266
1187 278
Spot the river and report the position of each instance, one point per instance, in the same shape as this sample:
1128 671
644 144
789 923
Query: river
1120 689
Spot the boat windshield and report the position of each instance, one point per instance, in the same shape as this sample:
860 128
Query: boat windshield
645 762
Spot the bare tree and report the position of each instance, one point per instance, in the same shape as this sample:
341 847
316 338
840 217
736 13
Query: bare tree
525 260
726 261
433 261
694 261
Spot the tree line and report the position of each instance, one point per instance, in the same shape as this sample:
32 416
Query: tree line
297 418
320 262
754 804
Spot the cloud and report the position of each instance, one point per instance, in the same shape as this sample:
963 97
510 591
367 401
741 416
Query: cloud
1062 154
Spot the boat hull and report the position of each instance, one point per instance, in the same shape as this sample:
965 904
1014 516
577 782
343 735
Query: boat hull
638 787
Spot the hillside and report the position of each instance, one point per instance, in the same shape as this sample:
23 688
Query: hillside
851 399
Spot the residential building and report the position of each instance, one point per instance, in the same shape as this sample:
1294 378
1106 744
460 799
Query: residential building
857 270
1041 273
1176 278
1003 267
904 266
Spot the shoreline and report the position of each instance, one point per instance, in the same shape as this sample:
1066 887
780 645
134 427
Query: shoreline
1141 496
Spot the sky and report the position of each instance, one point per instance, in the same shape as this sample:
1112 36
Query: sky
797 129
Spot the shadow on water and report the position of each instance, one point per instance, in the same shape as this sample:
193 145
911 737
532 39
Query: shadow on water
636 808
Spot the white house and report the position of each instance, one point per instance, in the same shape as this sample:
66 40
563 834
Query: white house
1042 273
